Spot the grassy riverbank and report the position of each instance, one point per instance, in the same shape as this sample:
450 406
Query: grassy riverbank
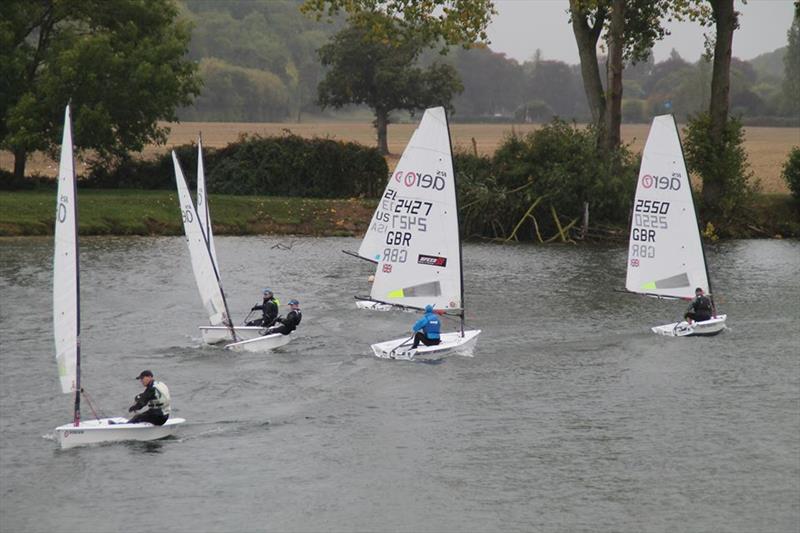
137 212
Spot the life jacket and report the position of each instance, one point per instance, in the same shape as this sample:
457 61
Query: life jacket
162 399
432 327
293 319
702 305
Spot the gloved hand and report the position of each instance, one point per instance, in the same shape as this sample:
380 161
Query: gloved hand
132 408
255 307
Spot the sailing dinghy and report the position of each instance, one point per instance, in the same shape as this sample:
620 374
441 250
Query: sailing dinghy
66 320
199 237
665 253
419 252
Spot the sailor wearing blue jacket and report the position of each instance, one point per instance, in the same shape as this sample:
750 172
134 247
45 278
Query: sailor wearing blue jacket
426 329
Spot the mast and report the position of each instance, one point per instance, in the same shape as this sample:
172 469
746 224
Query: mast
696 216
77 407
458 222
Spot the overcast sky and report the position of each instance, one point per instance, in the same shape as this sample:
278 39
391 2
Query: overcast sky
522 26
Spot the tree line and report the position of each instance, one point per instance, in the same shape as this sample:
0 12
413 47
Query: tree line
127 64
264 60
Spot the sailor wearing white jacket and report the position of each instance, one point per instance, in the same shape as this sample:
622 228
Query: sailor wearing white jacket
155 397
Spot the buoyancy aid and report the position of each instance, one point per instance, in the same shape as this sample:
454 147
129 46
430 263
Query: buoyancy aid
703 305
162 398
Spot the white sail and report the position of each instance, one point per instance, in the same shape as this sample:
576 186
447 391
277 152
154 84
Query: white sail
418 249
66 316
204 268
202 203
665 254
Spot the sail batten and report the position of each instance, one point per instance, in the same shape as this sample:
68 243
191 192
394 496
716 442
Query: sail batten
66 282
665 252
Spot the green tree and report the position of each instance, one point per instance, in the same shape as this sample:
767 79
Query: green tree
121 64
381 73
629 28
791 83
268 35
450 21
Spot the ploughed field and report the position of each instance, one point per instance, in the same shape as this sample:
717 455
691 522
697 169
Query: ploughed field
767 148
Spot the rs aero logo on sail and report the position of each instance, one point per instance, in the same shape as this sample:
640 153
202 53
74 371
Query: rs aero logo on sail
662 182
418 179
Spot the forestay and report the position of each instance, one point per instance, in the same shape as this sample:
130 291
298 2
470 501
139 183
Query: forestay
417 265
66 316
665 254
205 271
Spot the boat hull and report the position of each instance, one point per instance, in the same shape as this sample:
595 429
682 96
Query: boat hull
260 344
100 431
451 343
707 328
218 334
371 305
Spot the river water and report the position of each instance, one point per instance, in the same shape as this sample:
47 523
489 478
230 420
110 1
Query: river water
570 417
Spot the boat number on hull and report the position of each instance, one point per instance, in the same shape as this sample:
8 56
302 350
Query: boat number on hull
187 215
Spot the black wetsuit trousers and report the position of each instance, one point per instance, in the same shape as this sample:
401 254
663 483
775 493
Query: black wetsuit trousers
697 317
421 337
154 416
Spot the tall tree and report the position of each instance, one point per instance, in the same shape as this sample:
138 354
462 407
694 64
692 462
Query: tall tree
381 73
629 28
791 83
121 64
451 21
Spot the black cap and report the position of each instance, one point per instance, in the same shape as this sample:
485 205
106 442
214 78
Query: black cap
144 373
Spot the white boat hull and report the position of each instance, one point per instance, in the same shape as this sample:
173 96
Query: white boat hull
371 305
100 431
706 328
261 344
218 334
451 343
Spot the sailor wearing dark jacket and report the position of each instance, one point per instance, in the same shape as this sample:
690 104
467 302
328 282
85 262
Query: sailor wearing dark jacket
701 308
290 323
269 310
155 396
426 329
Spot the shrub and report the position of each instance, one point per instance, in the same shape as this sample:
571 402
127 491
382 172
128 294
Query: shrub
294 166
560 166
791 172
280 166
723 168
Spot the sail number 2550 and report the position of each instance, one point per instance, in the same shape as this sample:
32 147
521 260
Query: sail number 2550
651 206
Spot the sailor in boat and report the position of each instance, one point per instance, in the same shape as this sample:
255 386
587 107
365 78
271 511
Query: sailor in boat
426 329
155 397
268 308
287 325
701 309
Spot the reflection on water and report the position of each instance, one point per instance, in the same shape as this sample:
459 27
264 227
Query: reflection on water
570 417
